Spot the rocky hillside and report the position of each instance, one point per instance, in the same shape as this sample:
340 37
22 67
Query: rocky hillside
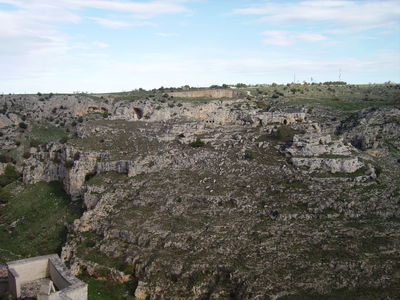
276 196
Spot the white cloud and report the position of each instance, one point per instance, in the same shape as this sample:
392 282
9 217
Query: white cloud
33 44
100 45
151 8
167 34
110 23
91 72
285 38
339 13
117 24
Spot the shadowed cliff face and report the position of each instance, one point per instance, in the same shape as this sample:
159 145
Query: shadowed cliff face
227 199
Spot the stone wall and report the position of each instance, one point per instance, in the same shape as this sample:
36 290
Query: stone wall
31 269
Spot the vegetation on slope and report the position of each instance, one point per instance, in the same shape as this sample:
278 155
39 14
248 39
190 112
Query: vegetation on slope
107 290
33 223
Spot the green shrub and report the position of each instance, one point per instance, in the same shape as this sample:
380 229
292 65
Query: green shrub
22 125
197 143
69 164
241 85
10 175
5 196
261 105
63 140
4 158
250 154
34 143
284 133
26 155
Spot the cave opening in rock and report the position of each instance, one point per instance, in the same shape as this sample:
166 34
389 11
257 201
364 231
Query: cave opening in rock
138 112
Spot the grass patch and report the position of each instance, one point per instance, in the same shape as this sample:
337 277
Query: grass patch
297 184
197 143
106 178
373 187
392 148
47 134
250 154
335 156
33 223
10 175
359 172
365 293
108 290
88 251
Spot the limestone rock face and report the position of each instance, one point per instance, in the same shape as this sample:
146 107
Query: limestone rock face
70 166
344 165
317 151
318 144
282 118
9 120
2 168
128 111
229 216
371 128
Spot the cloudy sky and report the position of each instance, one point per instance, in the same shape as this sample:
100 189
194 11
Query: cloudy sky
120 45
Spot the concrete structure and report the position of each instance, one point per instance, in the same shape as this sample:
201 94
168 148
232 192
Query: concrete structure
61 286
206 93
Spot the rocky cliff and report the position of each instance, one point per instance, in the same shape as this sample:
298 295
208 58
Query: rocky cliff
223 199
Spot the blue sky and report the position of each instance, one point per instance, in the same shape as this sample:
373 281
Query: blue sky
121 45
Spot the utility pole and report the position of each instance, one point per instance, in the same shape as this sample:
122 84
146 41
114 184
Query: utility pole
340 74
294 77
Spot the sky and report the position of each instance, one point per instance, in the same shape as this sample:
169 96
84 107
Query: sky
121 45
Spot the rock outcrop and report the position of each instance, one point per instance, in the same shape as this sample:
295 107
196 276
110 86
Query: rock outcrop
372 128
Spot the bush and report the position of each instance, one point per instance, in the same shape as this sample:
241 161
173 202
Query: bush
197 143
5 159
26 155
10 175
241 85
5 196
34 143
250 154
261 105
69 164
77 156
63 140
23 125
284 133
105 115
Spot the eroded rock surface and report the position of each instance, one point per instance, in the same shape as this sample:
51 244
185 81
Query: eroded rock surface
225 199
